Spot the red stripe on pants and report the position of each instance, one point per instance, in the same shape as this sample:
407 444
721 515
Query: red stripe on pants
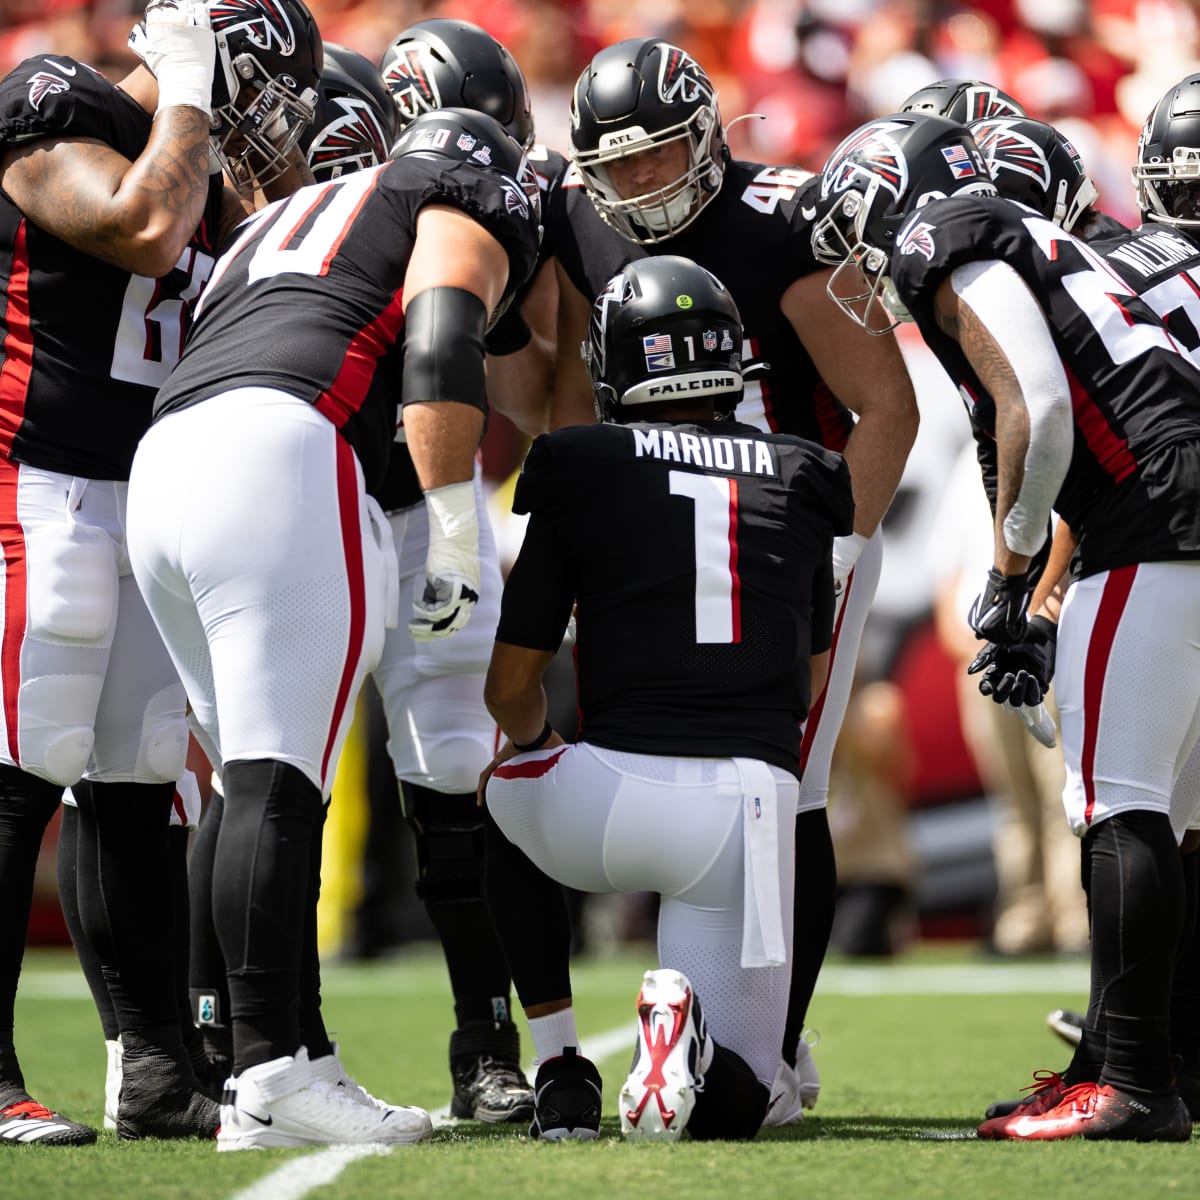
349 502
1117 587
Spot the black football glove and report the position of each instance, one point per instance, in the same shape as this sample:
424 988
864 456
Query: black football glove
998 614
1019 674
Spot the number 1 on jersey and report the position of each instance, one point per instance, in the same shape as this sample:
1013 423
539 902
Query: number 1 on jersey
718 586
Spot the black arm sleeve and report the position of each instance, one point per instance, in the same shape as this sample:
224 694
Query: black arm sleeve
443 347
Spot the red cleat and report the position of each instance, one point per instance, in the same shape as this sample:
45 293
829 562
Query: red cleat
1045 1092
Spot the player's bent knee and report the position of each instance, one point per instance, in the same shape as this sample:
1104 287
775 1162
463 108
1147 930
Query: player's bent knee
64 756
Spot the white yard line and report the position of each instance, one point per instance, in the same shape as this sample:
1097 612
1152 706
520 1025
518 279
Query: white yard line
297 1178
302 1175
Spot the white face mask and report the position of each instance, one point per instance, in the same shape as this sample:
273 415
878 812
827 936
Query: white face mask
669 214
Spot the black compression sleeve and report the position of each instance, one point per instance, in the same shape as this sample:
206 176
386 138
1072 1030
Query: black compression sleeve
443 347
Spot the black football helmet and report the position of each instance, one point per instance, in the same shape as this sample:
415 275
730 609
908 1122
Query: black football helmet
450 63
663 330
1167 174
1033 163
884 171
634 96
355 124
269 59
962 100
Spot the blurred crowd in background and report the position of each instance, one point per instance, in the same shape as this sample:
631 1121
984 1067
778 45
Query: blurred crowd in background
813 68
937 831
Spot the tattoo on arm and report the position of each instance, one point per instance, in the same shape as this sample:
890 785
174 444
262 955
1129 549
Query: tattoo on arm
958 321
89 195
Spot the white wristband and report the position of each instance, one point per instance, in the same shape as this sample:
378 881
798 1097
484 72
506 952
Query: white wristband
845 554
454 529
179 48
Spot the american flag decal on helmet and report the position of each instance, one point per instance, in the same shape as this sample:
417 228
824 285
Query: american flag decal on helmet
44 84
265 23
408 79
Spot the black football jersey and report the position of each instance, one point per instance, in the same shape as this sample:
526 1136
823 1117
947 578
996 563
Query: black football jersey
755 236
698 555
84 345
309 297
1135 394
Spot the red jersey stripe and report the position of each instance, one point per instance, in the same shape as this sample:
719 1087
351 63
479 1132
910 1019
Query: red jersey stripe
735 582
12 637
18 344
531 769
1104 631
348 508
345 395
1109 450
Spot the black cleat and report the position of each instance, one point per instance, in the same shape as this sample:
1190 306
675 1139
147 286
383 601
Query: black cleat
1133 1117
160 1094
568 1098
488 1082
27 1121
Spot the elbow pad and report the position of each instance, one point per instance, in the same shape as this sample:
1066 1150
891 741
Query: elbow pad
443 347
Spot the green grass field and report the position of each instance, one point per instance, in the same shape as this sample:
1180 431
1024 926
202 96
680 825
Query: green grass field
910 1055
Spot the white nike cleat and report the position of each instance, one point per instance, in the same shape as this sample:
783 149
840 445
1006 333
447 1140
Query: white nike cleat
329 1069
283 1103
112 1082
795 1088
673 1053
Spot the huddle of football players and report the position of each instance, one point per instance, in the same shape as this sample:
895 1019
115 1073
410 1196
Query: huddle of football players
307 278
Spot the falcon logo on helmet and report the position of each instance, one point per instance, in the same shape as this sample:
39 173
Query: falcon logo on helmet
617 291
1005 147
680 78
411 83
44 84
984 101
871 152
356 135
264 23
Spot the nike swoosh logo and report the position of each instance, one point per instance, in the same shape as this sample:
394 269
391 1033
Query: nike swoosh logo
1025 1126
256 1117
60 67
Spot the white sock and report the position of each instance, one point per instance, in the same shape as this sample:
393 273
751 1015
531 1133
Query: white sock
553 1034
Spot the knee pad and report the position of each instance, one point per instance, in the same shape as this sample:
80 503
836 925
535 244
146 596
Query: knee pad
162 750
449 833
